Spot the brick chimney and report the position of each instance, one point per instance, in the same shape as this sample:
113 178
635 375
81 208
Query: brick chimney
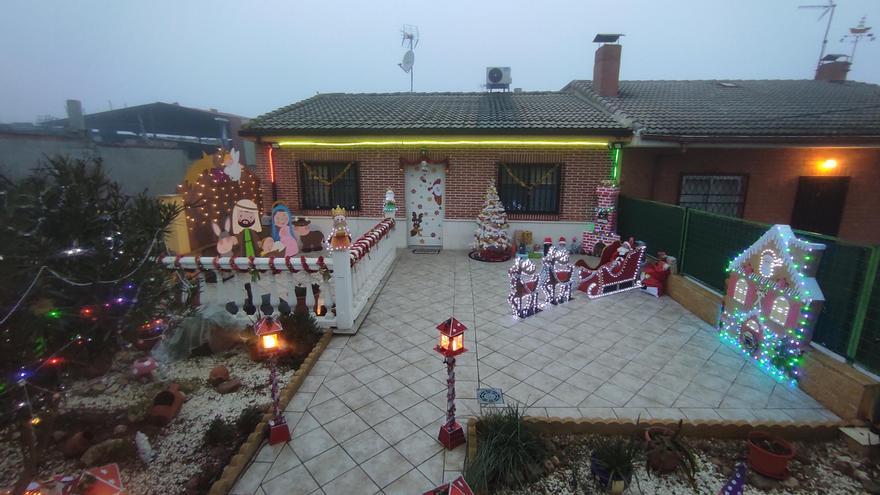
834 71
606 68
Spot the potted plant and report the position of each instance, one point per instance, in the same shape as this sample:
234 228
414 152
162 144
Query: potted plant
665 452
611 463
769 455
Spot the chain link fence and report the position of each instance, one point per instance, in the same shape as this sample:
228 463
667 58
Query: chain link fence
848 274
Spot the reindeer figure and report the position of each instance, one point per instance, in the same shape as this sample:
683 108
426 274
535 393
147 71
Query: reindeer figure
523 294
556 276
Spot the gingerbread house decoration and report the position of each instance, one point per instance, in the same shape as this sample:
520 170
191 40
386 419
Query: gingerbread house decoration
773 300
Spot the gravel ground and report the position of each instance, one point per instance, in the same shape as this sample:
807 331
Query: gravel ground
179 446
815 470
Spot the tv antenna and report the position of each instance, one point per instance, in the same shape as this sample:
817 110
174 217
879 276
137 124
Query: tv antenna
409 35
827 9
856 34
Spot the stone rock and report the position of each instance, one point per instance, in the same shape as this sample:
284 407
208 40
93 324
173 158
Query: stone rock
58 435
845 467
218 375
112 450
871 486
791 483
762 482
548 466
555 461
77 444
228 386
120 430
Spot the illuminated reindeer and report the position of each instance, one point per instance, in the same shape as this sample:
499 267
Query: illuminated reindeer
556 276
523 294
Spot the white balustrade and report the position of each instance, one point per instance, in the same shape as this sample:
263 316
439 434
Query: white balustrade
348 279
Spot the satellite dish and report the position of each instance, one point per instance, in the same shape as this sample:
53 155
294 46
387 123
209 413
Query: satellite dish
409 59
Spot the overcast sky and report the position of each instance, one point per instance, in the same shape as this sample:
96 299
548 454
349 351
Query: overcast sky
252 57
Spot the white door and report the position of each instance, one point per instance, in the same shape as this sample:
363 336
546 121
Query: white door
425 186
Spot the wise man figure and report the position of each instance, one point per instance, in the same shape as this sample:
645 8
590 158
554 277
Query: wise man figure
246 225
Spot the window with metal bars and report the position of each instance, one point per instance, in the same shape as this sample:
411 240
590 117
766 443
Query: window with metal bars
530 188
325 185
721 194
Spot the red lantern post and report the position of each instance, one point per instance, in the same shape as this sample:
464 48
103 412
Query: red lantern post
451 344
267 331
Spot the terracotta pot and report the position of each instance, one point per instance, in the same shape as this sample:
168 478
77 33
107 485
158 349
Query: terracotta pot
765 462
660 460
166 405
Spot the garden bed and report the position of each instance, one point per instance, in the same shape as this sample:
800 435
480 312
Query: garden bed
114 406
513 456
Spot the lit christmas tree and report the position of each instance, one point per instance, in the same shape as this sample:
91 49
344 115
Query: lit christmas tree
491 234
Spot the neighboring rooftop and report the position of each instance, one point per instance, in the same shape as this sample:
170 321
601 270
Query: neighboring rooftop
407 113
730 109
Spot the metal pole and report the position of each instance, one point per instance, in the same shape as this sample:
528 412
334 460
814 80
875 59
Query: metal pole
831 6
273 378
864 301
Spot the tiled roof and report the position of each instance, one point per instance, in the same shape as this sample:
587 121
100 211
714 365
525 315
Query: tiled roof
759 108
520 112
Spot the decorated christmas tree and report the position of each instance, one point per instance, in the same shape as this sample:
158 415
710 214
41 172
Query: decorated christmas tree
80 281
491 234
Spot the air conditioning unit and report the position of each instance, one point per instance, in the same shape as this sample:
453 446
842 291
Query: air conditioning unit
498 77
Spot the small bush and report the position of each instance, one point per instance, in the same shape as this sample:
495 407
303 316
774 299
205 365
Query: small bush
510 453
248 419
219 432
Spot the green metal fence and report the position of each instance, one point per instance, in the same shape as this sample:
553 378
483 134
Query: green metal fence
705 243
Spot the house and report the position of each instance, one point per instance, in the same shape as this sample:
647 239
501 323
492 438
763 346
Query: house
547 151
145 147
773 300
798 152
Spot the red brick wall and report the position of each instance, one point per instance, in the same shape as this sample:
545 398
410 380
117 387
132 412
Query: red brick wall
469 172
772 180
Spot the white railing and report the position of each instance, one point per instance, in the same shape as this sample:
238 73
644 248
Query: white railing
335 289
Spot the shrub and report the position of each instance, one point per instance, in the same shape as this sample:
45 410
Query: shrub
248 419
219 432
509 453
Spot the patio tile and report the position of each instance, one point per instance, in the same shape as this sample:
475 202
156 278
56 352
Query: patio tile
296 481
595 401
771 415
354 481
433 469
736 414
323 394
628 382
543 381
403 399
345 427
563 412
518 370
599 371
376 412
500 380
410 374
428 386
413 482
329 410
697 414
633 413
659 394
385 385
418 447
424 413
299 402
392 363
250 479
597 412
368 374
665 413
312 443
805 414
303 425
387 467
343 384
614 394
327 466
364 445
525 393
358 397
559 370
395 428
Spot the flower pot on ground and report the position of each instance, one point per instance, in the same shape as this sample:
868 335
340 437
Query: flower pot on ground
665 452
611 463
769 455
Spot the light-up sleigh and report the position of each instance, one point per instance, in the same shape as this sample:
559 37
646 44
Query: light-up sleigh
613 274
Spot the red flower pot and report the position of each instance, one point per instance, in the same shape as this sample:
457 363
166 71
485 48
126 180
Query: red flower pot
769 455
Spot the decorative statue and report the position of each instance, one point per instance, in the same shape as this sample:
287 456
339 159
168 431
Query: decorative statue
389 209
282 231
523 293
310 240
341 238
246 225
556 276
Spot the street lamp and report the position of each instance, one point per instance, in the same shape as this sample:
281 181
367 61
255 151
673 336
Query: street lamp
451 344
268 330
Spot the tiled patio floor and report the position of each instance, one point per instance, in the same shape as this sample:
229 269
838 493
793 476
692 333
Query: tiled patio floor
367 417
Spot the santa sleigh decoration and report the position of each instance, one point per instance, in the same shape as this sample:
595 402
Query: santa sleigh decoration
619 270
